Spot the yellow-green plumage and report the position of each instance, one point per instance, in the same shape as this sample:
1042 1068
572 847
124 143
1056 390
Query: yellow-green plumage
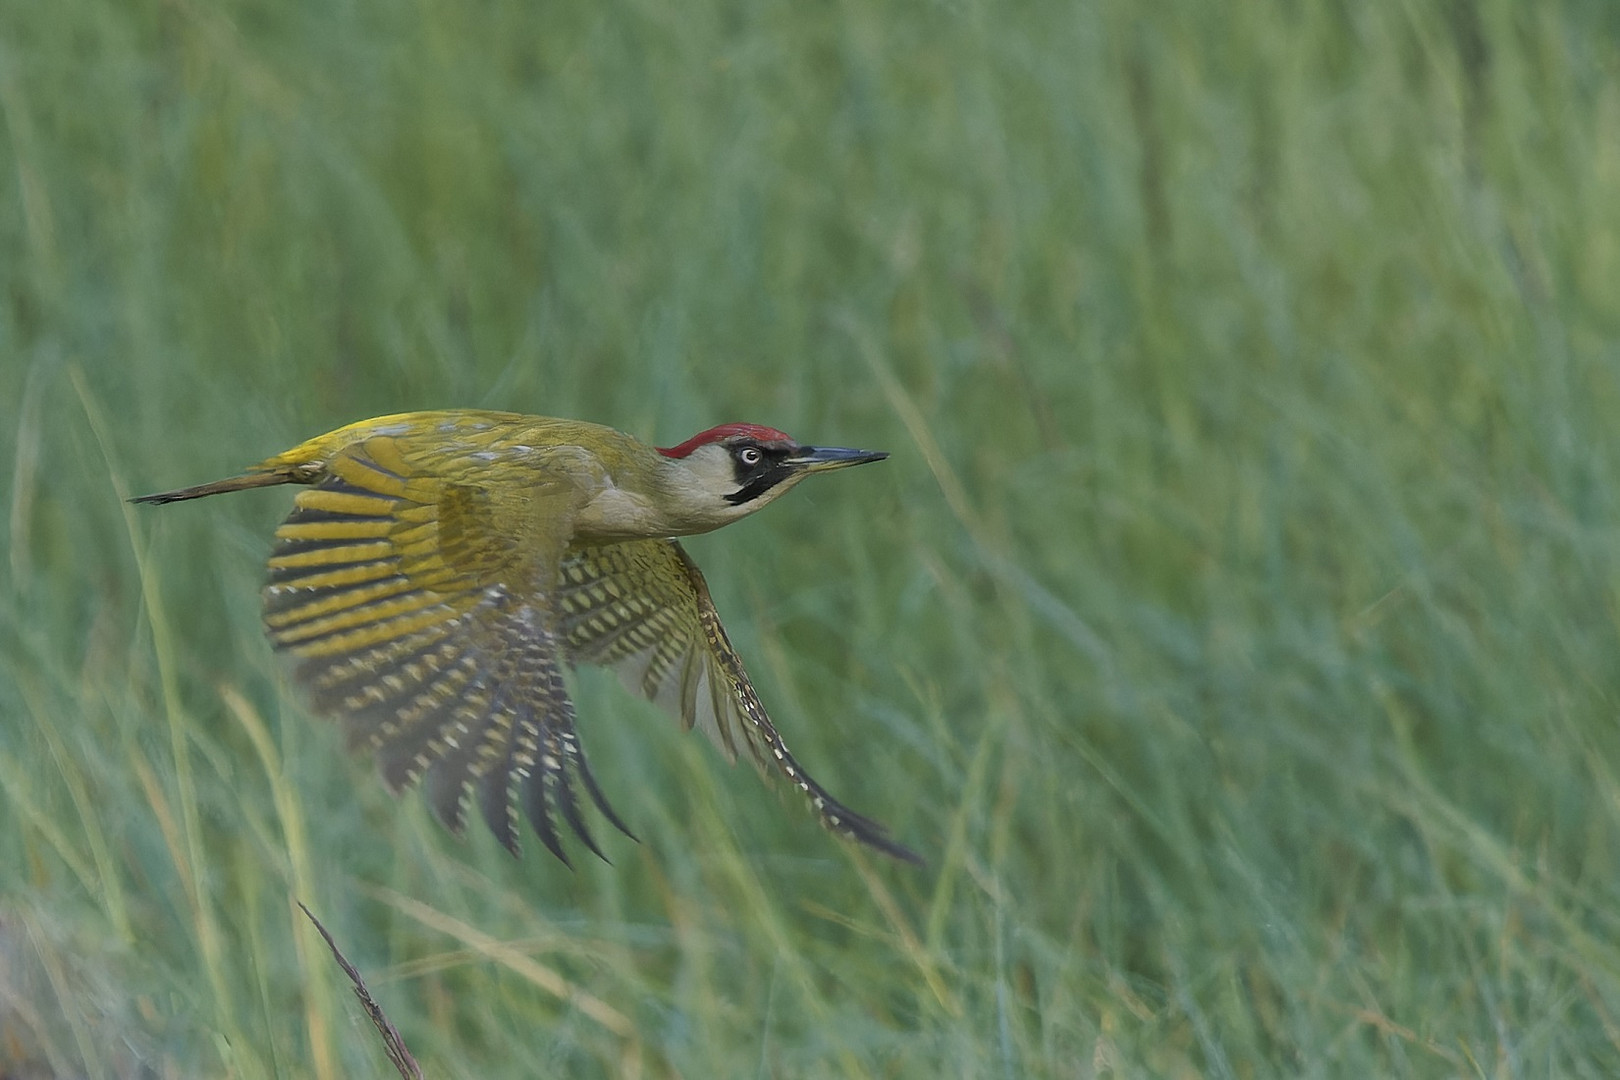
441 570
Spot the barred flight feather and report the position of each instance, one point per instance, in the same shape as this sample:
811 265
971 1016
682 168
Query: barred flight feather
442 673
649 596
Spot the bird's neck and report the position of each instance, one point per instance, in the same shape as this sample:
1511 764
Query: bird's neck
653 498
686 501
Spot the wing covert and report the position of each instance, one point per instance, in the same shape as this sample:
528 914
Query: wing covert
637 608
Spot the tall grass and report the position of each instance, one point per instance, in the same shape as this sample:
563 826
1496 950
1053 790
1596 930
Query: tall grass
1234 627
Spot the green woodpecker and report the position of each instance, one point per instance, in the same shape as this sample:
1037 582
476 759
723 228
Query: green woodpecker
441 568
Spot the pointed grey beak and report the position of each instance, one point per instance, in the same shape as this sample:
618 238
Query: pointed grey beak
821 458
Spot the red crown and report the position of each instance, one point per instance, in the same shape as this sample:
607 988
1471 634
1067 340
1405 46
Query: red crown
725 431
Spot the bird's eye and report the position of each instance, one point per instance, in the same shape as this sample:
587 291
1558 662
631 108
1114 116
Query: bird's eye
750 455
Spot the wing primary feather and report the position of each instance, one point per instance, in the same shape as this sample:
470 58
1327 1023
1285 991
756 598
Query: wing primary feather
282 578
446 787
643 607
329 554
419 658
548 787
429 711
495 785
576 757
691 676
386 724
285 607
570 806
724 720
538 800
306 633
834 815
399 756
571 814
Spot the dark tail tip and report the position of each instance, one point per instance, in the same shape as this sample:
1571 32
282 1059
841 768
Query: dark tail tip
158 499
217 487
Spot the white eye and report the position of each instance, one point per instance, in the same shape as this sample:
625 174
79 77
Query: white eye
749 455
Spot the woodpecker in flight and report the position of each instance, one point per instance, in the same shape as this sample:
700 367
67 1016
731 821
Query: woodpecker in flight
441 568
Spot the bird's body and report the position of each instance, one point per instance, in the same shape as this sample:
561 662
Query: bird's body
441 569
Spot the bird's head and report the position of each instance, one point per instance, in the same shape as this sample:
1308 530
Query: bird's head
728 472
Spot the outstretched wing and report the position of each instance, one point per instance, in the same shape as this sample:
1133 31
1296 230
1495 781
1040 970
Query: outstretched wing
643 608
419 612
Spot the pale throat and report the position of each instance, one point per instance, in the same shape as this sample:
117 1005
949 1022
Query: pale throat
682 500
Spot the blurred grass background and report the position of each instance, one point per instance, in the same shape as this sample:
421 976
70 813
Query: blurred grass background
1234 628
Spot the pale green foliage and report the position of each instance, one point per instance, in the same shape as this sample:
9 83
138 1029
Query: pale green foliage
1234 627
